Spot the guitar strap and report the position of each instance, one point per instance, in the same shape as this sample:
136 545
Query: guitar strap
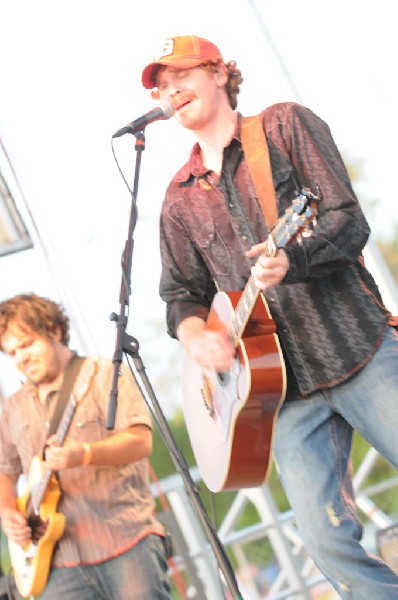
70 374
256 152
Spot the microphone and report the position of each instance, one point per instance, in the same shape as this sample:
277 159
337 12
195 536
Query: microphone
163 110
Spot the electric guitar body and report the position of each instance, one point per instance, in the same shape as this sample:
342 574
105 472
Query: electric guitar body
31 564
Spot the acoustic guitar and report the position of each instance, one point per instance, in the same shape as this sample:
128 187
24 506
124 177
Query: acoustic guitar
230 415
31 564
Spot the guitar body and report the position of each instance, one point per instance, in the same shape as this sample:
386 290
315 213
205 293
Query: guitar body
230 416
31 564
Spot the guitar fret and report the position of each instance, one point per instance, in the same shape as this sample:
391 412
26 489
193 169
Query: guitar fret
64 425
40 490
243 309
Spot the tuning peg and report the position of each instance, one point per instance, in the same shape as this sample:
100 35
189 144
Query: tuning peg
306 233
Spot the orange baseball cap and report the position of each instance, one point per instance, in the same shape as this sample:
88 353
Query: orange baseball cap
181 52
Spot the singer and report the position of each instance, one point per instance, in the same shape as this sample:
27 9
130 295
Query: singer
339 350
111 545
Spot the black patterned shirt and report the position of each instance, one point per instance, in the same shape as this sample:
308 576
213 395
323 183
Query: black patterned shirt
328 310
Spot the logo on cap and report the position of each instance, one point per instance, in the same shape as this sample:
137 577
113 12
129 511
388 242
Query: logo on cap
167 48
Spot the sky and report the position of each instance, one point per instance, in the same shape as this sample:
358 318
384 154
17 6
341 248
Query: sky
70 76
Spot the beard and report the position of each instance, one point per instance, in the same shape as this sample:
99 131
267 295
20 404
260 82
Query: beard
40 373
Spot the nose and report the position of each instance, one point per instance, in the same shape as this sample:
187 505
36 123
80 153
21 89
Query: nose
174 87
170 90
170 94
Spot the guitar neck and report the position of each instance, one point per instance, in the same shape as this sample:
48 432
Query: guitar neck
40 489
294 221
248 298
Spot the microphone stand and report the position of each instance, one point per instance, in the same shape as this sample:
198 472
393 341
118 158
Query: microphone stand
129 345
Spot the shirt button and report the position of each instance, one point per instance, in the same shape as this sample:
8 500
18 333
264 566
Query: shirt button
244 238
231 204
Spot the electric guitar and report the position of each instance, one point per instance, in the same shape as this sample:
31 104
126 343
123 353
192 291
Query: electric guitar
230 415
31 564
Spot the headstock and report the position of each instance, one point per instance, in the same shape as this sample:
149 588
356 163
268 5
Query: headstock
297 221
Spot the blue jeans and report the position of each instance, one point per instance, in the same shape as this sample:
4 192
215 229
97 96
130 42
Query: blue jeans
138 574
312 451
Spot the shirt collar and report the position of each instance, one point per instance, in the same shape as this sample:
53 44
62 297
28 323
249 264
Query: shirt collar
194 167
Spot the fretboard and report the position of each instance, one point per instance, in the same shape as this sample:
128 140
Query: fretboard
40 489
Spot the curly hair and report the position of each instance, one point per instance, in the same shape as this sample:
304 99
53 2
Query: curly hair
234 79
38 314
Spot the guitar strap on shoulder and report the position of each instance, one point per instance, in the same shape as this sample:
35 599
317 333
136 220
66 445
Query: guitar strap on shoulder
70 374
255 148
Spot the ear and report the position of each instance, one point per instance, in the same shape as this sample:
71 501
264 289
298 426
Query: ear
221 75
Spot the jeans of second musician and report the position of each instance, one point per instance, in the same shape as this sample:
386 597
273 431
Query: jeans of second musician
313 445
138 574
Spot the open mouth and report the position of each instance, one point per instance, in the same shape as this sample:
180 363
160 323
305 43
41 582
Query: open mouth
183 99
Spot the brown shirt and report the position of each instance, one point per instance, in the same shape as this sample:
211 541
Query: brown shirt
107 508
329 314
